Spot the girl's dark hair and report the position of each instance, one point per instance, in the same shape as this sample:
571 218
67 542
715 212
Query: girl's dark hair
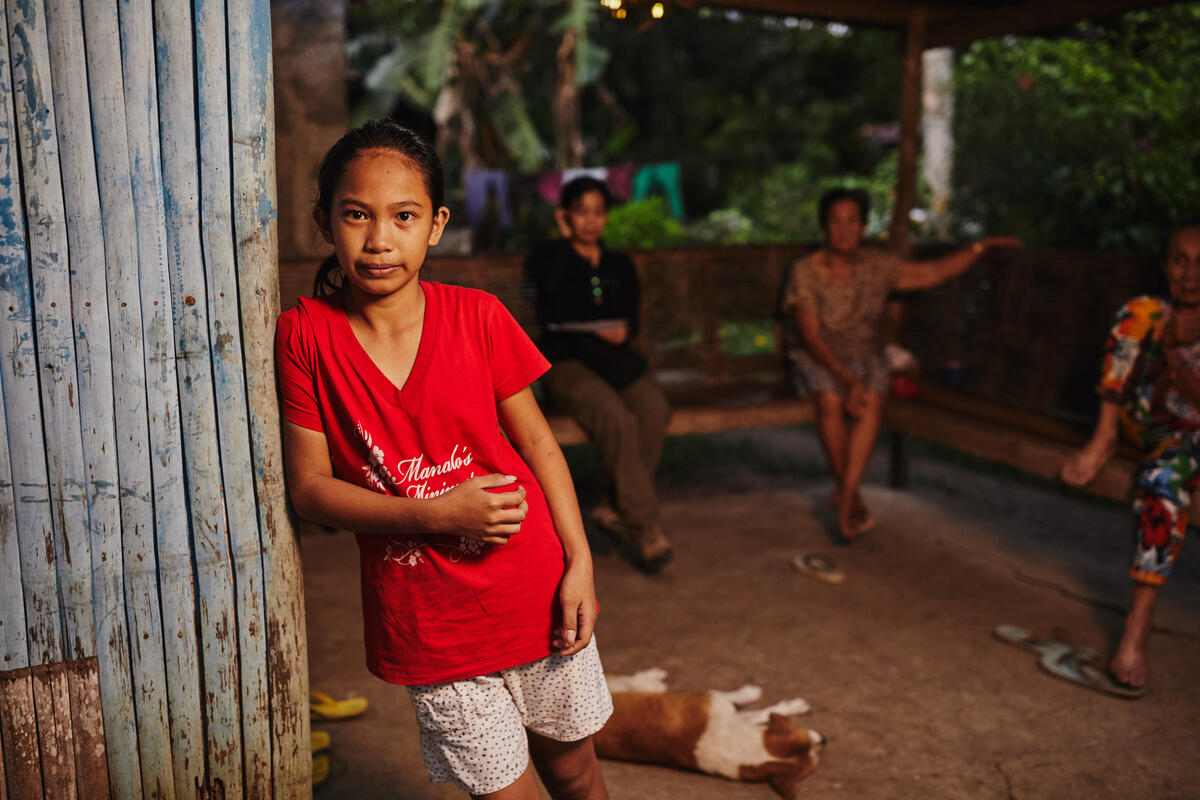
576 188
380 134
825 205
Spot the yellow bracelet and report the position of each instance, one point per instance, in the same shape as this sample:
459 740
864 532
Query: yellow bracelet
977 248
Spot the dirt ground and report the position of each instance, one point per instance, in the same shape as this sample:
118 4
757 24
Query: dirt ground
898 663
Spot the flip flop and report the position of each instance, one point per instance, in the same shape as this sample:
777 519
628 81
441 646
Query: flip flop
1083 667
819 566
1039 642
319 740
320 769
322 706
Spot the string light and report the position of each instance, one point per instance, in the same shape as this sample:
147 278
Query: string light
657 10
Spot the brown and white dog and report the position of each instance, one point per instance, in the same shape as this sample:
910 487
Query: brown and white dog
705 732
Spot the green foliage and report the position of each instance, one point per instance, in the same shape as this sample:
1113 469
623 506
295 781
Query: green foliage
642 224
735 97
1087 142
723 226
783 203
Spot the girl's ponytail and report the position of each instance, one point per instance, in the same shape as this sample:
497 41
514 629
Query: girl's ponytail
329 277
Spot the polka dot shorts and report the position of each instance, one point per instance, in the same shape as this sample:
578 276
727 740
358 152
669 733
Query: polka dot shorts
473 730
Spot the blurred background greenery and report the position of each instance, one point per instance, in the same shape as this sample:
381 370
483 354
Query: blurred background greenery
1086 139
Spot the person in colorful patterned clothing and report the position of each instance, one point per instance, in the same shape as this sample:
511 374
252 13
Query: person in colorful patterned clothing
1150 390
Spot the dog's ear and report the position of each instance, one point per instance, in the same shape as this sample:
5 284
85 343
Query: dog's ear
779 725
784 785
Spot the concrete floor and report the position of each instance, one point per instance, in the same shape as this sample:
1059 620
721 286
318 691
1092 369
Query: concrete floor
916 698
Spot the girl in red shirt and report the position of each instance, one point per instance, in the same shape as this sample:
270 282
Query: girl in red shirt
398 396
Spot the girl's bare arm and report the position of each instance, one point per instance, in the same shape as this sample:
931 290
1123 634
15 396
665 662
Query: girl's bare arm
468 509
530 434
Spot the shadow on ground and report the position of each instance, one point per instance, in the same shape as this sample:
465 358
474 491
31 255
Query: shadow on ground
898 664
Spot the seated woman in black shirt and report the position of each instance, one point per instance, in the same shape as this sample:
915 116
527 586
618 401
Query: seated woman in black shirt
588 309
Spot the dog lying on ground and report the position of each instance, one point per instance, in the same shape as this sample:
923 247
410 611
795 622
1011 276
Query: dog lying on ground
705 732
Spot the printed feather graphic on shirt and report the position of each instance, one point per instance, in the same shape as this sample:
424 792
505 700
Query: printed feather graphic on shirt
409 551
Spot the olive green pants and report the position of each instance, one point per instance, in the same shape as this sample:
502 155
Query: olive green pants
626 426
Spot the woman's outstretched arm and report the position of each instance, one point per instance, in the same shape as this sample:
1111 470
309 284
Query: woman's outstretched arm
924 274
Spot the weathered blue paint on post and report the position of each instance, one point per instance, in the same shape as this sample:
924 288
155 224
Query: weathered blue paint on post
89 309
175 568
103 45
47 247
14 640
225 337
32 530
189 304
252 122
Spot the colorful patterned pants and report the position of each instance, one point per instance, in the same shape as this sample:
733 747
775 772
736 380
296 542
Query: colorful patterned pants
1162 493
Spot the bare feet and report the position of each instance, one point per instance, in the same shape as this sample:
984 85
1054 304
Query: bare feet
1083 467
856 519
1131 664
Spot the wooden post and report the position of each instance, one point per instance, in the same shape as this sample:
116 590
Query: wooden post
113 166
175 569
109 690
254 217
910 117
225 341
197 412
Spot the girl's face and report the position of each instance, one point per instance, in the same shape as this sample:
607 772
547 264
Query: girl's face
587 217
844 228
381 222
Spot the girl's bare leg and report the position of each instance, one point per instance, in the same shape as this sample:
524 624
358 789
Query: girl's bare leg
523 788
569 770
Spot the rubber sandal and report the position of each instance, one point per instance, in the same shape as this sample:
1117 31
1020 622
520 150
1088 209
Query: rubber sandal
1082 667
319 740
322 706
863 524
1038 642
818 566
320 769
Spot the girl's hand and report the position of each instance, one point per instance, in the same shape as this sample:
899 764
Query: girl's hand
577 595
470 510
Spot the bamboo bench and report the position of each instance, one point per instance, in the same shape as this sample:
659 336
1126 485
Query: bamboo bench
1030 325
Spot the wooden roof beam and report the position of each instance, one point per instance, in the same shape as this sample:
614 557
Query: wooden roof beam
886 13
1027 17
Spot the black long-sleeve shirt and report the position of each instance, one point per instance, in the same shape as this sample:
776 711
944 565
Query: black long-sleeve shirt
569 289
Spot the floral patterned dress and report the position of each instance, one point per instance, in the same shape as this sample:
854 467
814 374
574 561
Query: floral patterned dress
1163 422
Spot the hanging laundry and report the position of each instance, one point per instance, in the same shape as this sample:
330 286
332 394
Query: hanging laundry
571 173
549 184
487 195
620 180
660 180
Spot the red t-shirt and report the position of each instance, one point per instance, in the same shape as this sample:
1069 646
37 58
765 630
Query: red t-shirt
435 608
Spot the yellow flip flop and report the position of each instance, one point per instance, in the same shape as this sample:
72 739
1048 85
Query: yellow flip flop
320 768
319 740
322 706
